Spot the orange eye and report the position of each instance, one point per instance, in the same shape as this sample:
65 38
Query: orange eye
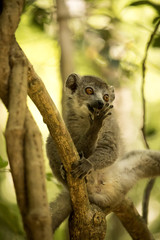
89 91
106 97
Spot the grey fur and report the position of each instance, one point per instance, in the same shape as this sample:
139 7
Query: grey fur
108 187
95 133
96 136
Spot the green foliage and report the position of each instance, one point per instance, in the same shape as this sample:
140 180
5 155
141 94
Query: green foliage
10 222
3 163
156 42
153 126
148 3
49 176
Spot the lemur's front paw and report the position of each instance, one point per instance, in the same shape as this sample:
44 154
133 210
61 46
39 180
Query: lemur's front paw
102 114
81 168
96 119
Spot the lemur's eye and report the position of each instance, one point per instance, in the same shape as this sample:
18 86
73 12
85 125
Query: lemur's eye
106 97
89 91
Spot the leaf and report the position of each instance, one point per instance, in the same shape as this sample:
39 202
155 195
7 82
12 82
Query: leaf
156 19
10 220
156 42
49 176
3 163
139 3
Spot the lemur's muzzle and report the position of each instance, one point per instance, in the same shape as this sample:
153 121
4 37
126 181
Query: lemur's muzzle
98 105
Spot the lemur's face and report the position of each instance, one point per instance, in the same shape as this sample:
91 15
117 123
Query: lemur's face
90 93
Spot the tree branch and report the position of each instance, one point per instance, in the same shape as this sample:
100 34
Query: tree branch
150 184
15 125
143 82
9 19
26 157
38 217
132 221
84 217
65 40
146 196
13 76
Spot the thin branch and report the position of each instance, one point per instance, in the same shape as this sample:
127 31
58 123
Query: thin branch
65 39
132 221
24 147
150 184
9 19
38 217
15 125
143 83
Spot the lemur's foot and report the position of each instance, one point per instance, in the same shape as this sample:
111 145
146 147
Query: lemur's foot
81 168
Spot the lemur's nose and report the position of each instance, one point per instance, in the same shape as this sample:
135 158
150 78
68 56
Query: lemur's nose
100 104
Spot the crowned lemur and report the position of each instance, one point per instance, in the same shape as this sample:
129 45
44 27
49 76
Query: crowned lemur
96 135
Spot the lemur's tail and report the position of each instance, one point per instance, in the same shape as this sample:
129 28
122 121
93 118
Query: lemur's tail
60 209
136 165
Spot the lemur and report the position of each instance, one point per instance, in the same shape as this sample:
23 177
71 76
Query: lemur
92 124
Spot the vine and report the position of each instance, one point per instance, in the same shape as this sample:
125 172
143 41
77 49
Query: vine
150 184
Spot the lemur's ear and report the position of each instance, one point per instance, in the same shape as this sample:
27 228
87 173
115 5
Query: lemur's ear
72 82
112 95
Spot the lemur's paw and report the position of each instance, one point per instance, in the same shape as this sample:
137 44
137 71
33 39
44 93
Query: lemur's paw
102 114
96 119
81 168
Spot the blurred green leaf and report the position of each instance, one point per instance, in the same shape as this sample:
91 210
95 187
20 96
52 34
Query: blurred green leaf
139 3
156 42
10 222
3 163
156 19
49 176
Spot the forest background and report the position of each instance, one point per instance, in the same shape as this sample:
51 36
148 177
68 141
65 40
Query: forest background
107 39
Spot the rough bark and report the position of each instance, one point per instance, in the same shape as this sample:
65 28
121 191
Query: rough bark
13 92
9 19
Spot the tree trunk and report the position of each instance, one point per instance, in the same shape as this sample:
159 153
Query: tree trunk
65 40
